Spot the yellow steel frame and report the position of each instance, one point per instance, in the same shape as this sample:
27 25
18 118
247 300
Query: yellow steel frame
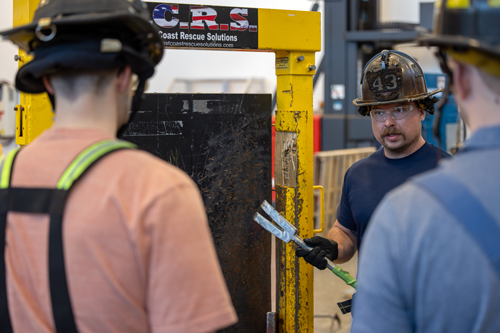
294 36
294 196
34 114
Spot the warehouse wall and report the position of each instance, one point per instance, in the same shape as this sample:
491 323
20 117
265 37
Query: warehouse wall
399 11
8 66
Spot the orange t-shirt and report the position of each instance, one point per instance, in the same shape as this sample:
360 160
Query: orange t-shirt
139 254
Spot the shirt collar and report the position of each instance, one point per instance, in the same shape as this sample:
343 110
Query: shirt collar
483 138
401 160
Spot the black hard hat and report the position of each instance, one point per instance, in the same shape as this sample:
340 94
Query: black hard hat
86 35
466 24
393 77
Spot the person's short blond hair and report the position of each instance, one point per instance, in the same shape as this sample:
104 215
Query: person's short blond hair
70 86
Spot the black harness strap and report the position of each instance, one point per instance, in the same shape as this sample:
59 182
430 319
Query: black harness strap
52 202
36 200
45 201
5 324
62 310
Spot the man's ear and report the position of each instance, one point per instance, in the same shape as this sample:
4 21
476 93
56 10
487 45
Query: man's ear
422 114
462 80
48 85
123 79
421 111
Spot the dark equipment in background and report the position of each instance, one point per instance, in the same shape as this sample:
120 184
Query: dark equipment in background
444 131
223 141
353 35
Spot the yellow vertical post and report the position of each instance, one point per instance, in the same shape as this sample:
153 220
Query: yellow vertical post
34 114
294 185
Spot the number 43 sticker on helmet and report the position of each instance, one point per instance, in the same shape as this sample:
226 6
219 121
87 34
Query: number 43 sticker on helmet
385 84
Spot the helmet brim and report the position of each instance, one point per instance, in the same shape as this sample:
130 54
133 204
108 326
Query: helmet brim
24 35
357 101
459 41
80 58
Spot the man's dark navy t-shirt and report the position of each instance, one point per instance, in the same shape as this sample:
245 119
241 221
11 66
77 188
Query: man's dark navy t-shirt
370 179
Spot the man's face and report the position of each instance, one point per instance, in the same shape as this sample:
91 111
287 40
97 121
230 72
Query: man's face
398 135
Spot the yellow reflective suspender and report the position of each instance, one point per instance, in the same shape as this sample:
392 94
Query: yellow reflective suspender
6 168
52 202
87 158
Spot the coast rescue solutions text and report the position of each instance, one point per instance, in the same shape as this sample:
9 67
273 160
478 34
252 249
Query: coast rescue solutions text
201 37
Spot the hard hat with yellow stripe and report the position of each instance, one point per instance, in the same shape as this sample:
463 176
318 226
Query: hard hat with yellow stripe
469 30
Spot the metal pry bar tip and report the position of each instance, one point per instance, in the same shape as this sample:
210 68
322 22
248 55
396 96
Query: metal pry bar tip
269 226
289 232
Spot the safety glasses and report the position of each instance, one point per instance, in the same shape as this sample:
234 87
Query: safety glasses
397 113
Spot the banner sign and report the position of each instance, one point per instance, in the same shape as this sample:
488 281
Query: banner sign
214 27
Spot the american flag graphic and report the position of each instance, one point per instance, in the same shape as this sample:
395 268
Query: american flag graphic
204 14
240 23
159 15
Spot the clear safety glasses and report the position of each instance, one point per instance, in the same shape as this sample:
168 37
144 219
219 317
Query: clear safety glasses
398 112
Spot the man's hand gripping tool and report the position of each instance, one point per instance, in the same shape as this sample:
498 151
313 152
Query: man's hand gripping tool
289 233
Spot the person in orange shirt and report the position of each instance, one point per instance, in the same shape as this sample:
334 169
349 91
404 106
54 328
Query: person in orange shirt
100 237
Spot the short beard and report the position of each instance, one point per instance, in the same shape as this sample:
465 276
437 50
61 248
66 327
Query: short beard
399 150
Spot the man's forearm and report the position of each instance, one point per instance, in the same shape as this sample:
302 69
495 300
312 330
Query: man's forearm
346 244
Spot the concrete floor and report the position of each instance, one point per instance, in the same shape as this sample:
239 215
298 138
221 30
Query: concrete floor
328 290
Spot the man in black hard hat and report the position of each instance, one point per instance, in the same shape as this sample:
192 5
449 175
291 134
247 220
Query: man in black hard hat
438 270
96 242
394 94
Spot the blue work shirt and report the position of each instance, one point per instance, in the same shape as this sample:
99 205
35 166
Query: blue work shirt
370 179
419 270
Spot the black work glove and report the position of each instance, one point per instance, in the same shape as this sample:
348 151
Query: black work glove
322 247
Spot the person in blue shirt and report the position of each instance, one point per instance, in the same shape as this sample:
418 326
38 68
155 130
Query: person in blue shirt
430 260
394 94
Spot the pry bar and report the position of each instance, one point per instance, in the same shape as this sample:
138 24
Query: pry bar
289 233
